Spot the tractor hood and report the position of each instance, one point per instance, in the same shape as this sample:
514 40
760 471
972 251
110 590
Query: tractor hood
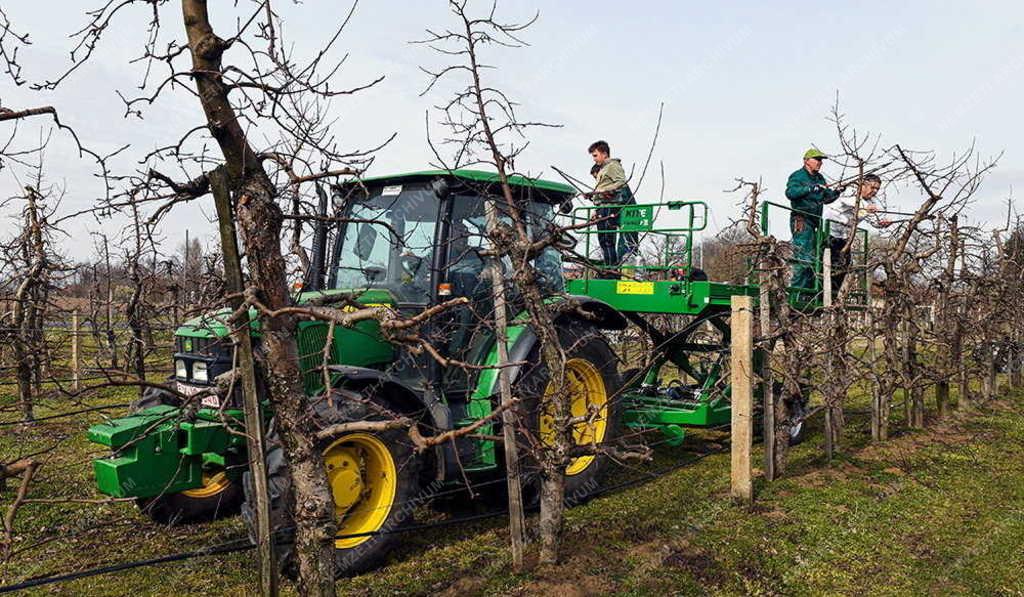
215 324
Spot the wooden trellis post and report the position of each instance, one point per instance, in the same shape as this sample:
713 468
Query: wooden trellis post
767 381
826 300
240 332
76 365
516 512
741 355
826 277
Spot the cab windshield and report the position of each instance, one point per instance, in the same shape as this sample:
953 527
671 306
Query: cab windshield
388 242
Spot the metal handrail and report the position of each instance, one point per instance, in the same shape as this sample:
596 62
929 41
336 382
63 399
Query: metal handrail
823 233
696 220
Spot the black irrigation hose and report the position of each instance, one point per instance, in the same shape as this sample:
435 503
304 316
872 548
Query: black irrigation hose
654 475
224 548
72 379
62 415
245 544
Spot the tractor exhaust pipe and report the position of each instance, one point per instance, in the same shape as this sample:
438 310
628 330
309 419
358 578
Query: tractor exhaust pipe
315 276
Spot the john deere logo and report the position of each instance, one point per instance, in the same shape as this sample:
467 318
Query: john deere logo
188 345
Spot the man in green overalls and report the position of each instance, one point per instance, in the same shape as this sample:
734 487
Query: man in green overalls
808 192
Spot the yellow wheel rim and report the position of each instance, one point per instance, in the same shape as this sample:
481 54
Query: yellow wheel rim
588 398
214 482
363 479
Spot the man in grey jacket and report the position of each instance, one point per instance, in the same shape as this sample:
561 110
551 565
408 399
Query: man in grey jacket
610 193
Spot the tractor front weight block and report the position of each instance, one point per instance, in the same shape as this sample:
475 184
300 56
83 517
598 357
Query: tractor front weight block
154 453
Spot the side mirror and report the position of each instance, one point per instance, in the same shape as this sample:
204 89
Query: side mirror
440 187
365 239
337 198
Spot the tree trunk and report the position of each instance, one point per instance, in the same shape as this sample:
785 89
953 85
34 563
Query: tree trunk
516 515
837 367
767 377
988 380
552 495
876 393
260 220
963 375
892 366
942 397
554 461
133 310
1016 375
27 310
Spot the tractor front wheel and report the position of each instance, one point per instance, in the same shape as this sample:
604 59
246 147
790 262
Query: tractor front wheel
373 478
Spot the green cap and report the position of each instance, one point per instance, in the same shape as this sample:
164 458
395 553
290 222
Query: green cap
814 153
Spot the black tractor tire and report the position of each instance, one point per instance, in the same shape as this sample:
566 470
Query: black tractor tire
585 343
220 498
344 407
154 397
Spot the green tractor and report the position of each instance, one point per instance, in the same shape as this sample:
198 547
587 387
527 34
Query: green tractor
408 242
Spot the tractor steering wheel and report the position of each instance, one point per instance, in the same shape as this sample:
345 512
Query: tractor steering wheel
373 273
411 264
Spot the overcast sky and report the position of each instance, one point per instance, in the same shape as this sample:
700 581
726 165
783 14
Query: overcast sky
747 87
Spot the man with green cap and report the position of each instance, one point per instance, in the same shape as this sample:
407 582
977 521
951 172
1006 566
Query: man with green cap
808 192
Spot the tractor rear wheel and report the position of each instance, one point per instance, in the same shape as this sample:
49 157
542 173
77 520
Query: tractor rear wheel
591 386
373 477
219 496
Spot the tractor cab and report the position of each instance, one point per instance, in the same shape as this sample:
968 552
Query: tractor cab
416 240
420 236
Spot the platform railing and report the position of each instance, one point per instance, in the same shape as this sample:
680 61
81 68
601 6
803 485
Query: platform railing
640 219
822 240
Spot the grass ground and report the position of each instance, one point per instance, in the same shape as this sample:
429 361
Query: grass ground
939 511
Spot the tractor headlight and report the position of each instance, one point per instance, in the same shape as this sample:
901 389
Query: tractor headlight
179 369
199 372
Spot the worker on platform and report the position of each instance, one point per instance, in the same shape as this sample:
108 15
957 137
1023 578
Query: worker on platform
808 192
848 215
610 193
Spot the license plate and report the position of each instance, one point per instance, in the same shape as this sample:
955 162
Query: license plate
184 388
212 401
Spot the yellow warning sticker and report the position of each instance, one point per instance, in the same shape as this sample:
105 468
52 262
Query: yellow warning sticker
630 287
